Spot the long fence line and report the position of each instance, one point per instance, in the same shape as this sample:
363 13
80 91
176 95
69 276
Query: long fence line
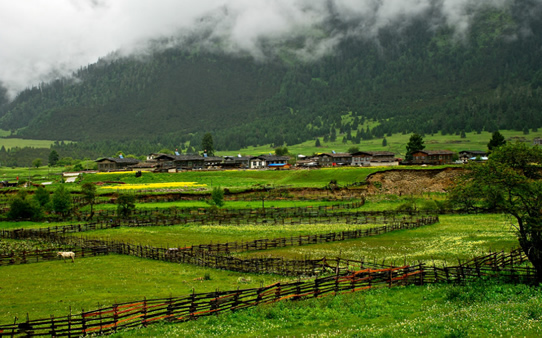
218 255
269 211
347 218
192 306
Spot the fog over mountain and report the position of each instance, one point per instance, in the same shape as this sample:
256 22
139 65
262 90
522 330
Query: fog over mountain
44 40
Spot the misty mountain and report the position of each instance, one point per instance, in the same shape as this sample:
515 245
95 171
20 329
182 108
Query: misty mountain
416 76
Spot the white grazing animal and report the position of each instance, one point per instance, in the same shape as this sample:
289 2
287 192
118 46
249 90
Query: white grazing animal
67 254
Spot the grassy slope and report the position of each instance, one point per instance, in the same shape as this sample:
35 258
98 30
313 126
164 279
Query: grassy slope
9 143
397 143
51 288
477 310
455 237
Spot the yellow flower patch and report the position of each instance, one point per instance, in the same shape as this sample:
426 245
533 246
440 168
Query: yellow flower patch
144 186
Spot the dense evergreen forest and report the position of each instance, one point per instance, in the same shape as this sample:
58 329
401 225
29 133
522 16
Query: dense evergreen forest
419 77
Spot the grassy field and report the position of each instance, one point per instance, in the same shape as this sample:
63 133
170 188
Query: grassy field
397 143
52 288
474 310
187 235
9 143
240 179
455 237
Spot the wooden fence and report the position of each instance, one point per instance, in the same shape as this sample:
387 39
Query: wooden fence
36 256
179 309
219 255
347 218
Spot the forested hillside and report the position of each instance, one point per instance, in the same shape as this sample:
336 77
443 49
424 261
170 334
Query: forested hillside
415 78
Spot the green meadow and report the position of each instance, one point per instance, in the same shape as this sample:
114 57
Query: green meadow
55 287
455 237
486 308
397 143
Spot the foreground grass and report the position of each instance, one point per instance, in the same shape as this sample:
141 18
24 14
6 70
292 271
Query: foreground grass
478 309
53 288
454 237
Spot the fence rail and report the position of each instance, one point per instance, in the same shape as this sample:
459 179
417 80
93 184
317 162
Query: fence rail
188 307
218 255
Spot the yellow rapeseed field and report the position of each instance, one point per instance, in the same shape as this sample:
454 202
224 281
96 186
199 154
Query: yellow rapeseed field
144 186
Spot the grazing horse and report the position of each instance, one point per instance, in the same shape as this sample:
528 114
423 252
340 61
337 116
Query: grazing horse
66 254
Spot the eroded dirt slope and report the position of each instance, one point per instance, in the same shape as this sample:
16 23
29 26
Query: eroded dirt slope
411 181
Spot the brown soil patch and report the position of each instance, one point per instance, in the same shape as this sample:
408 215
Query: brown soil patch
411 181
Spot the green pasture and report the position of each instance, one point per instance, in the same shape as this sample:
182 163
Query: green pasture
454 237
240 179
40 174
188 235
256 205
52 288
397 143
473 310
9 143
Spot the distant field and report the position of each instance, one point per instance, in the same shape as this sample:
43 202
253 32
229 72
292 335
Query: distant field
9 143
397 143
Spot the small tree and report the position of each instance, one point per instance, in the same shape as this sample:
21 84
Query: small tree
384 142
281 151
496 141
37 163
21 206
317 143
88 190
353 150
217 196
125 204
511 182
415 143
53 158
207 144
42 197
62 201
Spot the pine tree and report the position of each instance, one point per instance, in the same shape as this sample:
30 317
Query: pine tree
415 143
207 144
496 141
317 143
384 142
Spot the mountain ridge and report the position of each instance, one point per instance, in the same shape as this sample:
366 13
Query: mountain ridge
422 80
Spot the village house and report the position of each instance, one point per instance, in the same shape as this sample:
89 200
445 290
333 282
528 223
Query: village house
268 161
433 157
334 159
236 162
115 163
374 158
168 162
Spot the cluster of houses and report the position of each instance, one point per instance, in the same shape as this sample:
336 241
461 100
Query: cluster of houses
172 163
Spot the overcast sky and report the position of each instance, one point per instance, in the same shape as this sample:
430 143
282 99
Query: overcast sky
38 37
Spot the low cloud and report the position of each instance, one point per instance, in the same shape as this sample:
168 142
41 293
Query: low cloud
45 39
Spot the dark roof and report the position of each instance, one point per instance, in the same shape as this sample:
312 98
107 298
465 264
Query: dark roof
336 154
119 160
168 157
274 157
213 159
375 153
436 152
